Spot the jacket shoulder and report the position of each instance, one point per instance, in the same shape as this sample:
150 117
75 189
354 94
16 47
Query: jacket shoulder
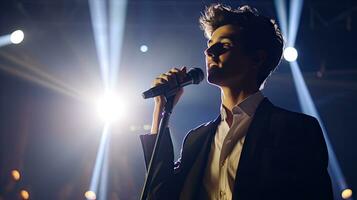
294 125
196 136
285 116
202 129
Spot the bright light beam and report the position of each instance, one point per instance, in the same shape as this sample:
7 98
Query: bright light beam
99 160
99 23
308 107
5 40
98 12
294 20
34 70
117 25
110 109
42 82
109 60
281 10
103 187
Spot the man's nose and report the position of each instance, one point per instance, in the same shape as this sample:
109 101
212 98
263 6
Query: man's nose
215 50
209 52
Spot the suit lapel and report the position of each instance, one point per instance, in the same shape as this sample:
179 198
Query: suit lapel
194 158
197 147
248 168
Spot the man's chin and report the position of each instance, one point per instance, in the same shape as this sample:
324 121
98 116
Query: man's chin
214 80
221 80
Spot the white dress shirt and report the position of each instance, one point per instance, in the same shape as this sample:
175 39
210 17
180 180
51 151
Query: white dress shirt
226 148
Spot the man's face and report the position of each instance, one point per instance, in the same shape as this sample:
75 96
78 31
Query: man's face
226 63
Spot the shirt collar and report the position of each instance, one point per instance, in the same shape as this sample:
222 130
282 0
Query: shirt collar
247 106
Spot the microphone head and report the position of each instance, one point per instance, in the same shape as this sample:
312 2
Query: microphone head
196 74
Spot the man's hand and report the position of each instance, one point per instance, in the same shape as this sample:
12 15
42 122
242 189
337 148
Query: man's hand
171 77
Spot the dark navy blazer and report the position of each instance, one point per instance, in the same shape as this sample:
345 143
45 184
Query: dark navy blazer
284 156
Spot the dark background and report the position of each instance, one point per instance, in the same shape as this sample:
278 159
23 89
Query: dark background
52 136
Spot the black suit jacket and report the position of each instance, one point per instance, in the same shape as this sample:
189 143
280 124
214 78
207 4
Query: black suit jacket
284 156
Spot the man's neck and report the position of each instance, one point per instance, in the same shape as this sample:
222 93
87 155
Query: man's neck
234 96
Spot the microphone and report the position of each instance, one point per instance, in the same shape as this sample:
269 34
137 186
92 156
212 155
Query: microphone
194 76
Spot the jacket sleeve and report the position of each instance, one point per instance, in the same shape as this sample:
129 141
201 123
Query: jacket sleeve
148 143
162 183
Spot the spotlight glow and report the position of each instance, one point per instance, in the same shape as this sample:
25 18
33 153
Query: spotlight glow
15 175
290 54
110 107
90 195
17 37
144 48
24 194
346 193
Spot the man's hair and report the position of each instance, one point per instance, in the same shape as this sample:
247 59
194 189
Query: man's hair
257 33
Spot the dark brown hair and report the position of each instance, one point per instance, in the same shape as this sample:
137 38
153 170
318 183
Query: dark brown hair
257 32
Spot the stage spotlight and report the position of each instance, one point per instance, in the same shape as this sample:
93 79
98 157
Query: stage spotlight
17 37
290 54
346 193
144 48
15 175
90 195
24 194
110 107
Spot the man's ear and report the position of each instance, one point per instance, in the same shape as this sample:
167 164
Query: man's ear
259 58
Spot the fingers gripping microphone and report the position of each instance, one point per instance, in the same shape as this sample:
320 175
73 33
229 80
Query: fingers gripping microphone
194 76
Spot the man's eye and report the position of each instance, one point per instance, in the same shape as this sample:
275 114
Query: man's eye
226 45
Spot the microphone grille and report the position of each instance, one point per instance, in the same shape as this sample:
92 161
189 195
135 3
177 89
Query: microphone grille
196 74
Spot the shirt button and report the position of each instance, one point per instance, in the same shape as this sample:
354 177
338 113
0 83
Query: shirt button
222 193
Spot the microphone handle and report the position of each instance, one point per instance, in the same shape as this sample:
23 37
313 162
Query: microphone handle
164 89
